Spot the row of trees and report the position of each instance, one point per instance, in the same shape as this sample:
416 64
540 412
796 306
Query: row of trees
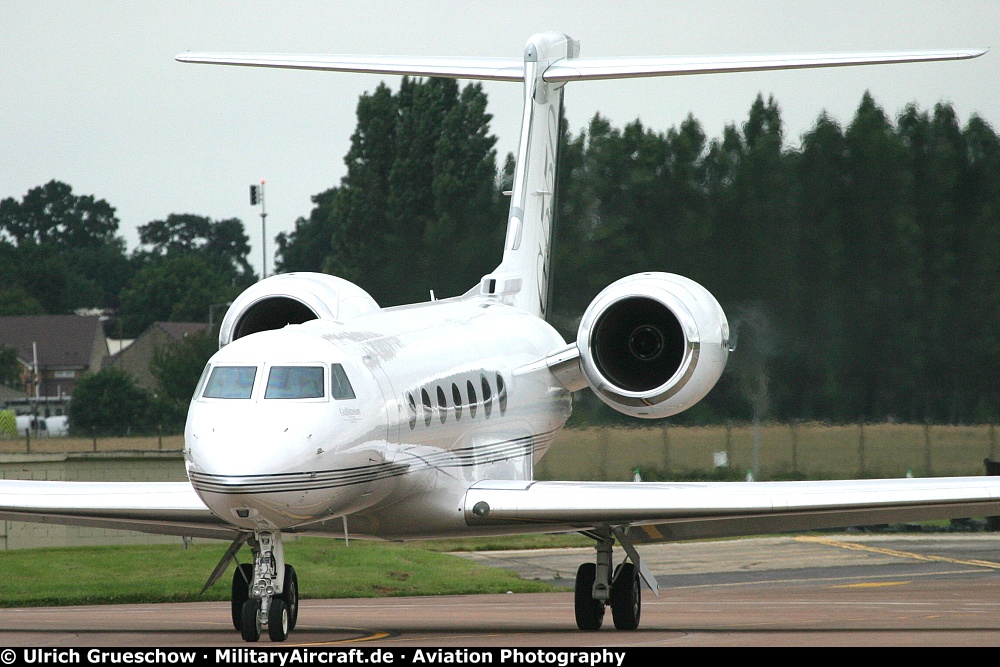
858 269
60 252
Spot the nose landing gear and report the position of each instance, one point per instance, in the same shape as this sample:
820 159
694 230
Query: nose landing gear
265 593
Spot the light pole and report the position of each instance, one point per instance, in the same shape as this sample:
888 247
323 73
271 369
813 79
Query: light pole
257 196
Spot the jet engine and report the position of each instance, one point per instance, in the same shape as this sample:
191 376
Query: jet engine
293 298
653 344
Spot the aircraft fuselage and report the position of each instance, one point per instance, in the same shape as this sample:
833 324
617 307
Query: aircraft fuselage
415 404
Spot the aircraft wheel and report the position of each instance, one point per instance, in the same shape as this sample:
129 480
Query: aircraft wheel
589 612
277 620
291 596
626 598
241 592
250 621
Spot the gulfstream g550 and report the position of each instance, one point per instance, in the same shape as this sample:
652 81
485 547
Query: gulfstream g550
323 413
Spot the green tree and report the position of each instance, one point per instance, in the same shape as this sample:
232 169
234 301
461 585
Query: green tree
41 274
110 403
62 249
222 243
357 247
176 368
463 239
175 289
17 301
978 357
882 268
306 248
822 340
52 214
419 207
10 368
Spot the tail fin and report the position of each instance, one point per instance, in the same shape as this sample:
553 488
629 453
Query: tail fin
523 275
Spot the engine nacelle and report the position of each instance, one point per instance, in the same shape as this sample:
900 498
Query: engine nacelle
653 344
293 298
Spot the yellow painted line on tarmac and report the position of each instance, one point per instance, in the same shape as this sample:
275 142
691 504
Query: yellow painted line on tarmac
854 546
367 638
872 584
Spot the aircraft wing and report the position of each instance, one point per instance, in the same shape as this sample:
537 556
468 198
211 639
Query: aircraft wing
665 511
570 69
165 508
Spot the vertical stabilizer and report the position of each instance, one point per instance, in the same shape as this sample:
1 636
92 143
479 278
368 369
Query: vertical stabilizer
523 276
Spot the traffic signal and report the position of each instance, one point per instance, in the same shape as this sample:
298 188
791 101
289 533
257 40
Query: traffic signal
254 194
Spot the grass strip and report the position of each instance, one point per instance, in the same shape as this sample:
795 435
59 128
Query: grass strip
168 573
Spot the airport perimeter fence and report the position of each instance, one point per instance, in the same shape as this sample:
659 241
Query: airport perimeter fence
770 451
663 451
31 442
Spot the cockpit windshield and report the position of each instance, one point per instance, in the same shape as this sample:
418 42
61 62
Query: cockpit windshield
230 382
295 382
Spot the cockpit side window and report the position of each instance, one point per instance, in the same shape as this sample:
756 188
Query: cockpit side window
202 380
230 382
340 386
295 382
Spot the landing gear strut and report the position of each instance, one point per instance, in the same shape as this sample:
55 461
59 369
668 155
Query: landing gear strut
598 587
265 593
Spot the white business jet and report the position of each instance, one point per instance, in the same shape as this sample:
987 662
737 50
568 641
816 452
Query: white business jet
323 413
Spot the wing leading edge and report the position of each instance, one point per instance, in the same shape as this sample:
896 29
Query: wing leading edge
656 512
165 508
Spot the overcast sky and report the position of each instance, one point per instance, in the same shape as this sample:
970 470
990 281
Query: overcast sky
90 93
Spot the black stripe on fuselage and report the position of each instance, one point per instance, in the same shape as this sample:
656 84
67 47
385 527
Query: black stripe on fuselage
464 457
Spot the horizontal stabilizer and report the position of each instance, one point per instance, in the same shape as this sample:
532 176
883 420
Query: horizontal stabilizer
570 69
582 69
490 69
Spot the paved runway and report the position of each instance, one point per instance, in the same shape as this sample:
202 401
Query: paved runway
791 591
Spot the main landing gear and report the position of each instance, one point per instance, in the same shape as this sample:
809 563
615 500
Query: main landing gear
598 587
265 593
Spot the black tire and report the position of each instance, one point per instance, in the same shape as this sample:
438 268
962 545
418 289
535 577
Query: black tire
290 594
241 592
589 612
626 598
249 624
277 620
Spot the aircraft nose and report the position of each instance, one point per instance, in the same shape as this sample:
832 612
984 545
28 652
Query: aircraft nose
250 440
282 444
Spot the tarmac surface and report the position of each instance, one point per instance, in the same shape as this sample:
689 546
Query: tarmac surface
836 590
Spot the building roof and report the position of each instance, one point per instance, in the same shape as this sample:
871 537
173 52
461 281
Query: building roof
178 331
156 334
63 341
137 357
8 395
